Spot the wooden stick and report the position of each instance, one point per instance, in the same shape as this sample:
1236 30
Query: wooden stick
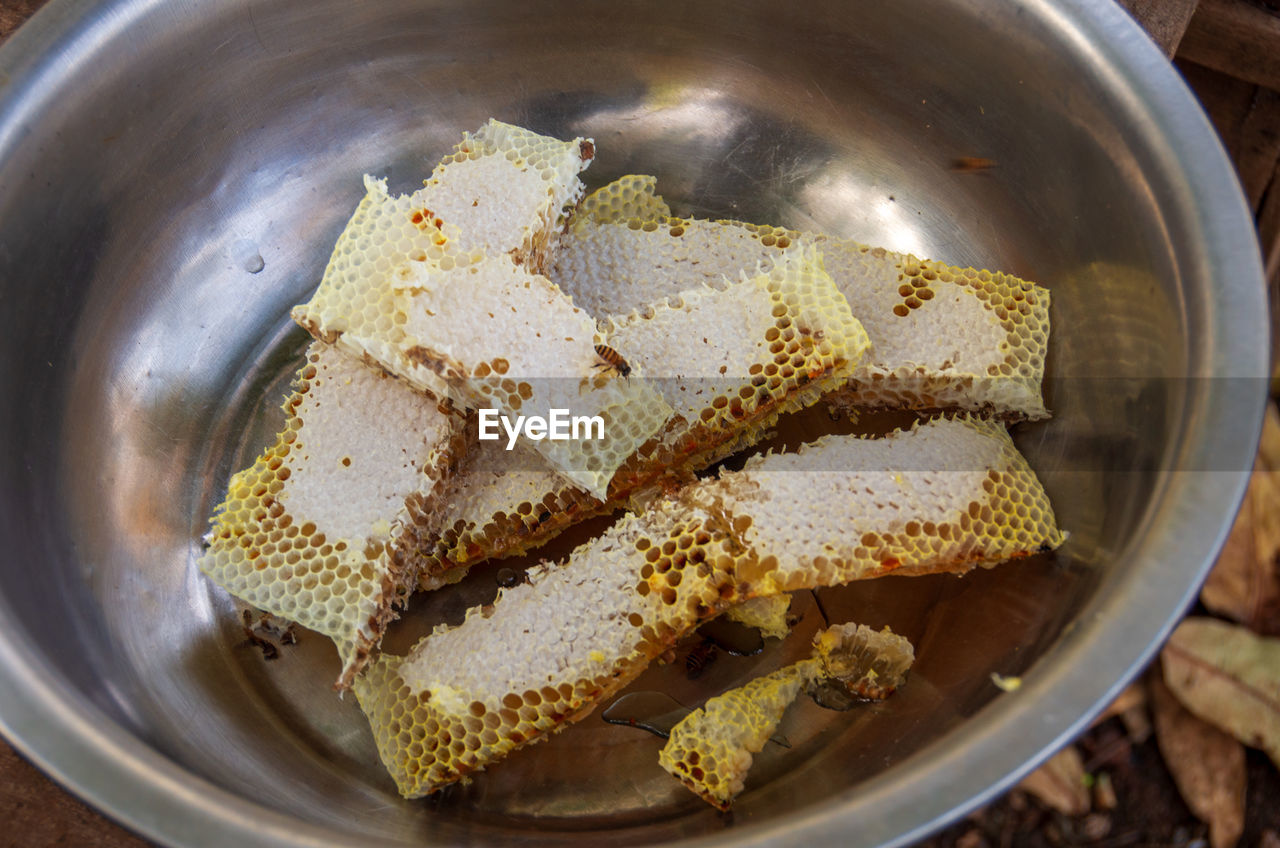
1260 146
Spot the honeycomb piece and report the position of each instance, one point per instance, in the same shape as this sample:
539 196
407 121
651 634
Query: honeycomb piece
309 532
766 614
764 345
545 652
943 337
632 196
942 496
775 340
499 504
868 664
506 188
499 192
514 342
517 344
710 750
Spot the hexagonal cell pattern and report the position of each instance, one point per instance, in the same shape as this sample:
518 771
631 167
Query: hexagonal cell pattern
308 532
748 352
632 196
943 337
945 495
545 652
710 750
482 223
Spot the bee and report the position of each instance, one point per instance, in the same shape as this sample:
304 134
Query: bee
268 648
509 578
972 164
701 656
612 359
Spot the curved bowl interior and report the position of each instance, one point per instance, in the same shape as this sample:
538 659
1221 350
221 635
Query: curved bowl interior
174 175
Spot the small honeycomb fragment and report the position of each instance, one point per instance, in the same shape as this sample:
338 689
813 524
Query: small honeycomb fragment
544 653
943 337
869 664
766 614
710 750
749 351
482 224
309 532
632 196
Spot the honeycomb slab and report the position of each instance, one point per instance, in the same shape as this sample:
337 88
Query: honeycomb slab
545 652
482 225
310 531
943 337
727 360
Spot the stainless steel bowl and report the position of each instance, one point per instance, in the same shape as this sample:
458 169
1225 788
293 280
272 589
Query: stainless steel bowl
172 176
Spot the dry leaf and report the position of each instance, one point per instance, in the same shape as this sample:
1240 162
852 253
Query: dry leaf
1134 697
1060 783
1131 706
1207 765
1229 677
1104 794
1269 449
1245 582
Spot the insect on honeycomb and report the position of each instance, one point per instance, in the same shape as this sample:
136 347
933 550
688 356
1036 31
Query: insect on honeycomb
943 337
769 343
482 224
284 543
710 750
545 652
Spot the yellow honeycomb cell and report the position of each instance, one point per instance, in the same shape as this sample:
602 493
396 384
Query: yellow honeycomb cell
710 750
943 337
545 652
633 197
312 530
